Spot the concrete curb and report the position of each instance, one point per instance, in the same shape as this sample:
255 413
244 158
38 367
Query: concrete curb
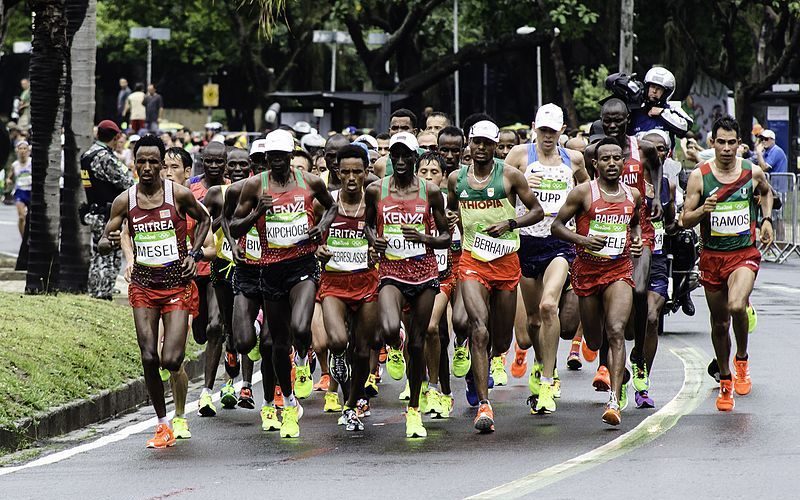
77 414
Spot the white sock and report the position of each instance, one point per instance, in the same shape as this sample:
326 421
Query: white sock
547 380
205 391
164 420
179 416
300 360
289 400
265 403
433 386
246 384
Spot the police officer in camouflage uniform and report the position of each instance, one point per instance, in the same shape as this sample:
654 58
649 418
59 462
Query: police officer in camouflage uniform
104 177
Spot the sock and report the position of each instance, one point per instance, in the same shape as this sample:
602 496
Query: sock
264 403
300 361
742 359
179 415
289 400
247 385
547 380
726 377
205 391
435 387
485 402
164 420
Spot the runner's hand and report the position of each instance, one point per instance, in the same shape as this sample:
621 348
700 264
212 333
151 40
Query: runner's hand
657 211
412 235
315 234
128 271
380 245
238 254
323 254
767 235
452 219
495 230
636 246
372 257
114 237
188 267
595 243
710 204
264 203
535 180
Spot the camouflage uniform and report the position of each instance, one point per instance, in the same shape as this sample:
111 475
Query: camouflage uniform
103 269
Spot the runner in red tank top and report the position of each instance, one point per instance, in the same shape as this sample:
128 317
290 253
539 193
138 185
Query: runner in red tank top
402 212
162 286
608 235
286 275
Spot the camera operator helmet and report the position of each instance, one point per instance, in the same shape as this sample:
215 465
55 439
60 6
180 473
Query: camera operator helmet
663 78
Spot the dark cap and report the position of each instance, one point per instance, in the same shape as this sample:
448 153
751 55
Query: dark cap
108 125
596 132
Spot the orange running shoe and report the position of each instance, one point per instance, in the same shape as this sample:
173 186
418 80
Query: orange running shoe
324 383
520 365
588 354
741 380
382 355
725 400
484 420
278 398
611 415
377 373
602 380
163 438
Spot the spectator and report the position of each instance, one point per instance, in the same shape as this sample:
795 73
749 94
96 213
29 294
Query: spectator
23 180
771 158
122 98
135 106
154 108
24 110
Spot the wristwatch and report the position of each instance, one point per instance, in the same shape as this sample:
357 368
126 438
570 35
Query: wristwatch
512 224
197 255
764 219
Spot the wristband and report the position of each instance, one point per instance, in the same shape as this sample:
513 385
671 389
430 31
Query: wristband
512 224
765 219
197 255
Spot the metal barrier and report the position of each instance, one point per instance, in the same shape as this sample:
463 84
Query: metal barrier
784 220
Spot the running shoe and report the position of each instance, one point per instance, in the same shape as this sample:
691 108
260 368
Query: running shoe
340 370
641 380
207 408
371 387
611 415
752 318
324 383
484 419
520 365
378 371
471 393
546 403
534 381
246 398
351 421
303 383
423 397
531 402
713 370
180 428
227 396
588 354
332 404
312 359
290 428
362 408
556 384
498 371
232 366
643 400
602 380
278 397
414 426
623 396
255 352
461 360
489 378
435 404
741 379
725 400
574 358
406 394
382 354
447 403
163 438
269 419
164 374
395 363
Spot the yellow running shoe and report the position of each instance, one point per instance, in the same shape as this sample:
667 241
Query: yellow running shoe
395 363
180 428
332 404
290 428
414 426
303 383
499 371
269 419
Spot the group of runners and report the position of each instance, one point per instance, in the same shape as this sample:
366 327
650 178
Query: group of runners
398 261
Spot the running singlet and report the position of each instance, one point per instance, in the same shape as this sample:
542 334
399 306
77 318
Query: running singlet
199 190
283 229
23 175
220 241
347 243
557 182
633 176
404 261
482 208
444 258
610 219
732 225
159 242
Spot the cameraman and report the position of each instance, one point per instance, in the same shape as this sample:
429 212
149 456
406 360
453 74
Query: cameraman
104 177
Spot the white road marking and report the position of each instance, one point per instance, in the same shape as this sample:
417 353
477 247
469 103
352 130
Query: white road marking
7 223
687 399
121 434
779 288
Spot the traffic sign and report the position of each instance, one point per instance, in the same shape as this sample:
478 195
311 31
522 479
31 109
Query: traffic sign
211 95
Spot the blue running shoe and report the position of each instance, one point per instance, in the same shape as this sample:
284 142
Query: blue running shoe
472 394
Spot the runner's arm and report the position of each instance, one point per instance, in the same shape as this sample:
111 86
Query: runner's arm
765 202
571 208
453 211
249 208
213 203
324 198
126 245
187 204
653 164
442 240
111 233
228 207
693 211
519 185
379 168
670 223
371 216
517 157
579 172
636 228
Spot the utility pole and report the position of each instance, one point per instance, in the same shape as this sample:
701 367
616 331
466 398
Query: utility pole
456 90
149 33
626 36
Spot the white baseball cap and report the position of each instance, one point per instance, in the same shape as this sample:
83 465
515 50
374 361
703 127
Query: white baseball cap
487 129
279 140
312 140
368 139
258 146
767 133
133 138
549 116
407 139
302 127
218 138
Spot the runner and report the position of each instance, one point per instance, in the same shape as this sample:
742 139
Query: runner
402 212
508 140
606 212
551 172
489 271
402 120
161 281
349 288
287 272
720 197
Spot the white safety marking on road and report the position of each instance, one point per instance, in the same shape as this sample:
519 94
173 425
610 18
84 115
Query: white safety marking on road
687 399
121 434
779 288
9 254
7 223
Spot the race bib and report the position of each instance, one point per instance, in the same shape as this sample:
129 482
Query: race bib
658 241
252 250
441 259
455 240
397 248
157 248
616 238
488 248
24 180
286 229
731 218
552 194
349 254
225 250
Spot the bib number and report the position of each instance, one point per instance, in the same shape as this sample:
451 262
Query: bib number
441 259
616 238
487 248
397 247
551 194
156 249
252 242
658 241
286 230
349 254
731 218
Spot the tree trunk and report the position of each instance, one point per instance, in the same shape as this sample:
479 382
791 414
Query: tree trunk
742 99
48 79
562 78
78 128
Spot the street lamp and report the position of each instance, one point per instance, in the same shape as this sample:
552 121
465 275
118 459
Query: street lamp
150 34
527 30
343 38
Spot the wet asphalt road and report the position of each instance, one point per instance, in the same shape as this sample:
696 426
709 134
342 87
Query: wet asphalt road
750 453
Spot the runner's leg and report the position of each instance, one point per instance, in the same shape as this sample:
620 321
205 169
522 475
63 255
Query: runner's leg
421 310
617 303
146 322
476 304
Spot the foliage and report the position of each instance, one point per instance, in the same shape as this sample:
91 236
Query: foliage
19 27
589 89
